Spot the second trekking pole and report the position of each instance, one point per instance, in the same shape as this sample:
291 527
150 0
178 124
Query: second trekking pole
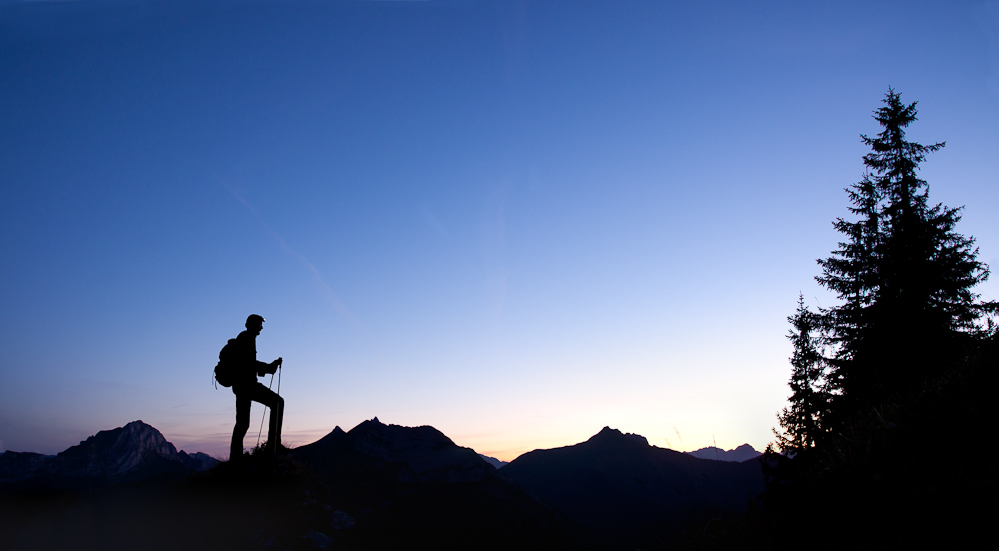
264 416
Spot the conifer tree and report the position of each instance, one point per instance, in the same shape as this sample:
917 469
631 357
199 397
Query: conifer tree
801 422
903 274
907 354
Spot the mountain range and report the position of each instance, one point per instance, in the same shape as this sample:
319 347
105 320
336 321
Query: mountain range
629 492
376 486
135 452
408 484
744 452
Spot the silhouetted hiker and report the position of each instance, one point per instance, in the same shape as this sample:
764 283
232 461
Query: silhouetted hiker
248 390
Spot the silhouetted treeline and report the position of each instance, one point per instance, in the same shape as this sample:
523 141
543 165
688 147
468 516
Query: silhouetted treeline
891 389
905 280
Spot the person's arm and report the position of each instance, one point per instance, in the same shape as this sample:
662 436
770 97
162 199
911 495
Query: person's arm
263 369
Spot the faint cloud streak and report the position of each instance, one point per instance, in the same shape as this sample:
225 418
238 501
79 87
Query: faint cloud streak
324 289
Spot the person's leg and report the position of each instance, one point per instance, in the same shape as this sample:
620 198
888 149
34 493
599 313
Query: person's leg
271 399
274 428
243 402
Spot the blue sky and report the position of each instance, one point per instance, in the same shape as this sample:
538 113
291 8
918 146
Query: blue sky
517 222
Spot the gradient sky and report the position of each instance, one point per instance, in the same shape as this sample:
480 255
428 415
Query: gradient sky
518 222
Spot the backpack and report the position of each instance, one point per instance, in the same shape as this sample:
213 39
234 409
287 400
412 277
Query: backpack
225 370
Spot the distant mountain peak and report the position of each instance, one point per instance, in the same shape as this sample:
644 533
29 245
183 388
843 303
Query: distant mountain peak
138 424
333 435
619 486
493 461
608 435
422 452
742 453
116 451
135 451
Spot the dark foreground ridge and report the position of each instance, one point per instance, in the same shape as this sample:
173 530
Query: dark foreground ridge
377 486
408 485
628 492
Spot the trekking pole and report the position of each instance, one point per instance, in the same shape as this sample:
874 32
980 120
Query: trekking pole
262 417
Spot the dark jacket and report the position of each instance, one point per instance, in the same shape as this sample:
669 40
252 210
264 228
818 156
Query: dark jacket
248 367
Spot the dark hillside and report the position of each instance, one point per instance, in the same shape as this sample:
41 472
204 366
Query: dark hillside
629 492
413 486
375 487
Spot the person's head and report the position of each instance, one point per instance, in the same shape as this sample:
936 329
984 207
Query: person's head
254 323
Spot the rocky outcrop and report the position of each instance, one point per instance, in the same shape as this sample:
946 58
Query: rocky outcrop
131 453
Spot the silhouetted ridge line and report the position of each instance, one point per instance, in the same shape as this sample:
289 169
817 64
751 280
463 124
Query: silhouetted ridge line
629 492
742 453
413 486
131 453
617 437
493 461
422 453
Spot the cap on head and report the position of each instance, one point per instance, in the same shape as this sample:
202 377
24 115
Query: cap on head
253 320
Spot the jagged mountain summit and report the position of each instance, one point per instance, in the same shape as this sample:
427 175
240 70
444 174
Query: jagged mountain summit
631 493
131 453
412 453
414 487
744 452
417 453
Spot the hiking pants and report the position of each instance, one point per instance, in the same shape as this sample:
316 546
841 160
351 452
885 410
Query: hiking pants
245 395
